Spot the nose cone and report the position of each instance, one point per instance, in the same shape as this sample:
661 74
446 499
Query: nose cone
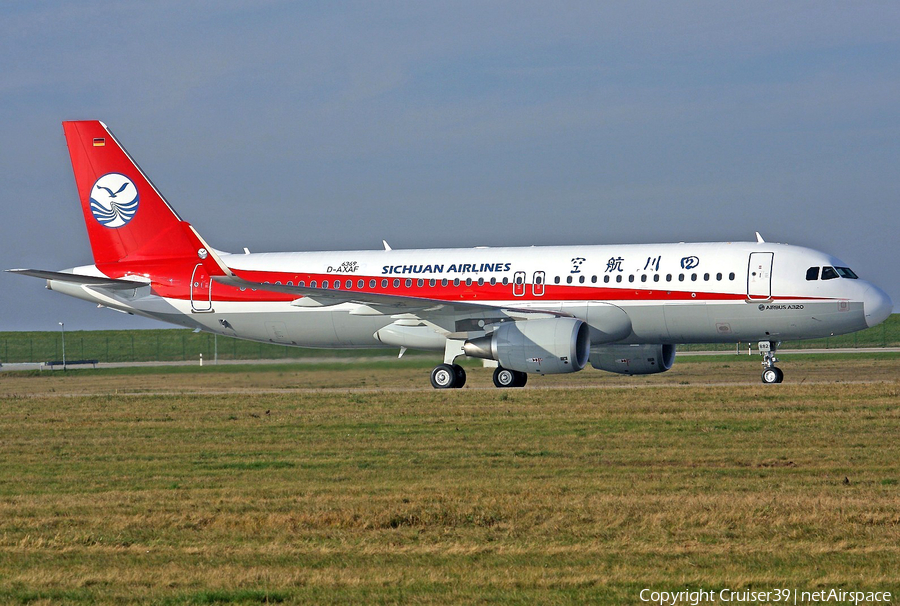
876 305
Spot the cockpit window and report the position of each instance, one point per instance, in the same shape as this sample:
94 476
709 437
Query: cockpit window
846 272
829 273
812 273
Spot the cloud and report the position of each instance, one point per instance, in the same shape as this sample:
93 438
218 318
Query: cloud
490 123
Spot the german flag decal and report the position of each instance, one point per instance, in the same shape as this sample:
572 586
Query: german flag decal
99 142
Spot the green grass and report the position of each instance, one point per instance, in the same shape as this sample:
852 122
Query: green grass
182 344
534 496
170 344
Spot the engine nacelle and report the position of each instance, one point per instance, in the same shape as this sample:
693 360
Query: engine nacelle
633 359
545 346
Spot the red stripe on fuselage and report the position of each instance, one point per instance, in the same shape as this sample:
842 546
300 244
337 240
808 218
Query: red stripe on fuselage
166 286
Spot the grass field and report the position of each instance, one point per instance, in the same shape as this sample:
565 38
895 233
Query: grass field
349 484
182 344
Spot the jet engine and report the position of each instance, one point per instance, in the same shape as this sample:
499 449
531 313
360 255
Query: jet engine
633 359
545 346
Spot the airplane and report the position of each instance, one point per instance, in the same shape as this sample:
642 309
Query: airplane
525 310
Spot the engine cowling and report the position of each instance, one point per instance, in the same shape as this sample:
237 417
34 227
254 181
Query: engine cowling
544 346
633 359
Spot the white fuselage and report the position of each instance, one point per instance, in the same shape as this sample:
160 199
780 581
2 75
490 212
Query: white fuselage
669 293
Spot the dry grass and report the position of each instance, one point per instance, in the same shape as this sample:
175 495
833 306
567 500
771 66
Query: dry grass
416 496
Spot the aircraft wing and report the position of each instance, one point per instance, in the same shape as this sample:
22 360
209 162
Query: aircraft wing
393 304
110 283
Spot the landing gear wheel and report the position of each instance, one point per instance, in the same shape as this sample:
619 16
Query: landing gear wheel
523 378
504 377
443 376
772 375
460 376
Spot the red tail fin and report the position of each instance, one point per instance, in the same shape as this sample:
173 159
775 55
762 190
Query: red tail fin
127 218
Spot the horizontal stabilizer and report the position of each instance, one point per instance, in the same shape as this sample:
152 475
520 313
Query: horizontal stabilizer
79 279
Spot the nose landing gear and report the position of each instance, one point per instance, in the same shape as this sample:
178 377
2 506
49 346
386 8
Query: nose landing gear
770 373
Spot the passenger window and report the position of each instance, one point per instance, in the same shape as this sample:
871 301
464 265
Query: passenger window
668 277
555 280
371 283
396 282
337 284
719 276
312 284
593 279
812 273
581 279
656 277
706 277
455 281
384 283
631 278
568 279
431 282
829 273
301 283
644 278
444 282
349 284
506 281
731 276
468 281
606 279
619 278
481 281
493 281
408 282
681 277
693 277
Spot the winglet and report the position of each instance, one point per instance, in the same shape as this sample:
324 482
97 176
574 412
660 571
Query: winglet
759 239
386 245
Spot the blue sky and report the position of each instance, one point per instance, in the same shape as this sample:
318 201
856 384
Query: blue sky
332 125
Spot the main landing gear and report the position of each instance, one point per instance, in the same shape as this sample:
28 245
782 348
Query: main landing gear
448 376
770 373
504 377
453 376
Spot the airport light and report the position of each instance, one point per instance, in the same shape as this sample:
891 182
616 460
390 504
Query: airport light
62 326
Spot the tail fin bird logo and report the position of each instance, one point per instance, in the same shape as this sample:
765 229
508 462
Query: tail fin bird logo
114 200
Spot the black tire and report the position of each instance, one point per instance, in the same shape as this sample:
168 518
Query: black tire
460 376
504 377
443 376
772 375
522 379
